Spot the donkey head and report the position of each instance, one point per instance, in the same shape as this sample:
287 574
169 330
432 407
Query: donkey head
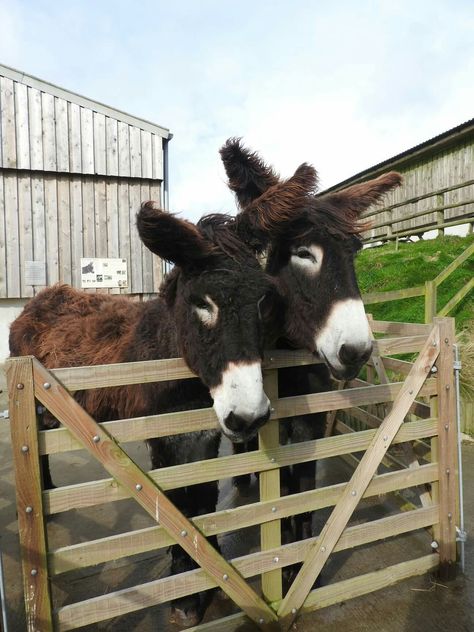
311 255
214 296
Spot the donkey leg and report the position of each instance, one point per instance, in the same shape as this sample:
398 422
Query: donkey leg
197 500
164 452
185 611
46 421
242 482
307 428
205 496
46 473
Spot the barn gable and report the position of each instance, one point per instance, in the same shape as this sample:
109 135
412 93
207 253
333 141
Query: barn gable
438 185
73 173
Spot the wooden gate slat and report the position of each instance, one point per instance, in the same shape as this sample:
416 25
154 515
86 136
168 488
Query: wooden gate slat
106 490
158 591
145 491
369 582
359 481
166 424
93 552
31 526
85 377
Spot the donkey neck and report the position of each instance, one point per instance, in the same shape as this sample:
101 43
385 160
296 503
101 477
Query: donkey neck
155 334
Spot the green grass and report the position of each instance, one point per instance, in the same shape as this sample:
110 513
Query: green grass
382 269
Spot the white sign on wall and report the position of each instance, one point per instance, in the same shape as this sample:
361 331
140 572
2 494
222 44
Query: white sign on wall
35 273
104 273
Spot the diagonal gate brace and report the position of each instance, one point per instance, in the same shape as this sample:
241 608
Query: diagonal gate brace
146 492
412 460
361 478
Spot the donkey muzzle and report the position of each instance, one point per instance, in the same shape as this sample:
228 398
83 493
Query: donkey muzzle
240 402
353 358
238 429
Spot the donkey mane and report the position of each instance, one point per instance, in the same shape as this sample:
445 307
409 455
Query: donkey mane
221 229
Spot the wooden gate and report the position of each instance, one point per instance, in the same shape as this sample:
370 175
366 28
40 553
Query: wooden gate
422 406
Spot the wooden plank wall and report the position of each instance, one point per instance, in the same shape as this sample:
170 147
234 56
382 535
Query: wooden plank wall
71 182
43 132
60 218
448 168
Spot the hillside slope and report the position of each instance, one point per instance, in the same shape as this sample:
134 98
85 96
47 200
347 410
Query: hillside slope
382 269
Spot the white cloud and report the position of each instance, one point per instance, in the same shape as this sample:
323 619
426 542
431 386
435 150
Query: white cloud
342 85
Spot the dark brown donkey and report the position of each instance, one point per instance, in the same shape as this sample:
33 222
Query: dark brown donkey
312 262
208 312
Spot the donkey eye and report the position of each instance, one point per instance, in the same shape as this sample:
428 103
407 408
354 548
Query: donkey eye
206 310
200 303
304 253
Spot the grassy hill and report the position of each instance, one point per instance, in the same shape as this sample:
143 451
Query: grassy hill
382 269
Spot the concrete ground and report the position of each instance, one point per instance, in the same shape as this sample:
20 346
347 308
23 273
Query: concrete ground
416 605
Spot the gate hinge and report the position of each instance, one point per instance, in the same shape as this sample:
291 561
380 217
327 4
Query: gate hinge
461 535
457 365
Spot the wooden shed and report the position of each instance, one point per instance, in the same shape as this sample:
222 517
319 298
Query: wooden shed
73 173
438 186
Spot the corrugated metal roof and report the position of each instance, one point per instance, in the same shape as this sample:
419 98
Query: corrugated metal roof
73 97
436 143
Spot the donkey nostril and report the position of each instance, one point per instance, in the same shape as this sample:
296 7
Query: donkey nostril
234 423
352 354
240 425
260 421
368 352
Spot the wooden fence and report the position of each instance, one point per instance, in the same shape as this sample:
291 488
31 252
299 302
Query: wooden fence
429 290
421 407
387 222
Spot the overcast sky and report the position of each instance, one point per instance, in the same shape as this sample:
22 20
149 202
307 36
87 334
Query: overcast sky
342 85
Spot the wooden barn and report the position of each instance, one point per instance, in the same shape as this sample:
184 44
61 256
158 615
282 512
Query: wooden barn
73 173
438 186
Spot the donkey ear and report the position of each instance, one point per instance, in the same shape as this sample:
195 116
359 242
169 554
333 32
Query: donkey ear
248 175
359 197
268 215
173 239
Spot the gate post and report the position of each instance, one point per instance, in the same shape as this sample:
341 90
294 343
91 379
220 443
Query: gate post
31 527
430 301
447 437
269 481
440 213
